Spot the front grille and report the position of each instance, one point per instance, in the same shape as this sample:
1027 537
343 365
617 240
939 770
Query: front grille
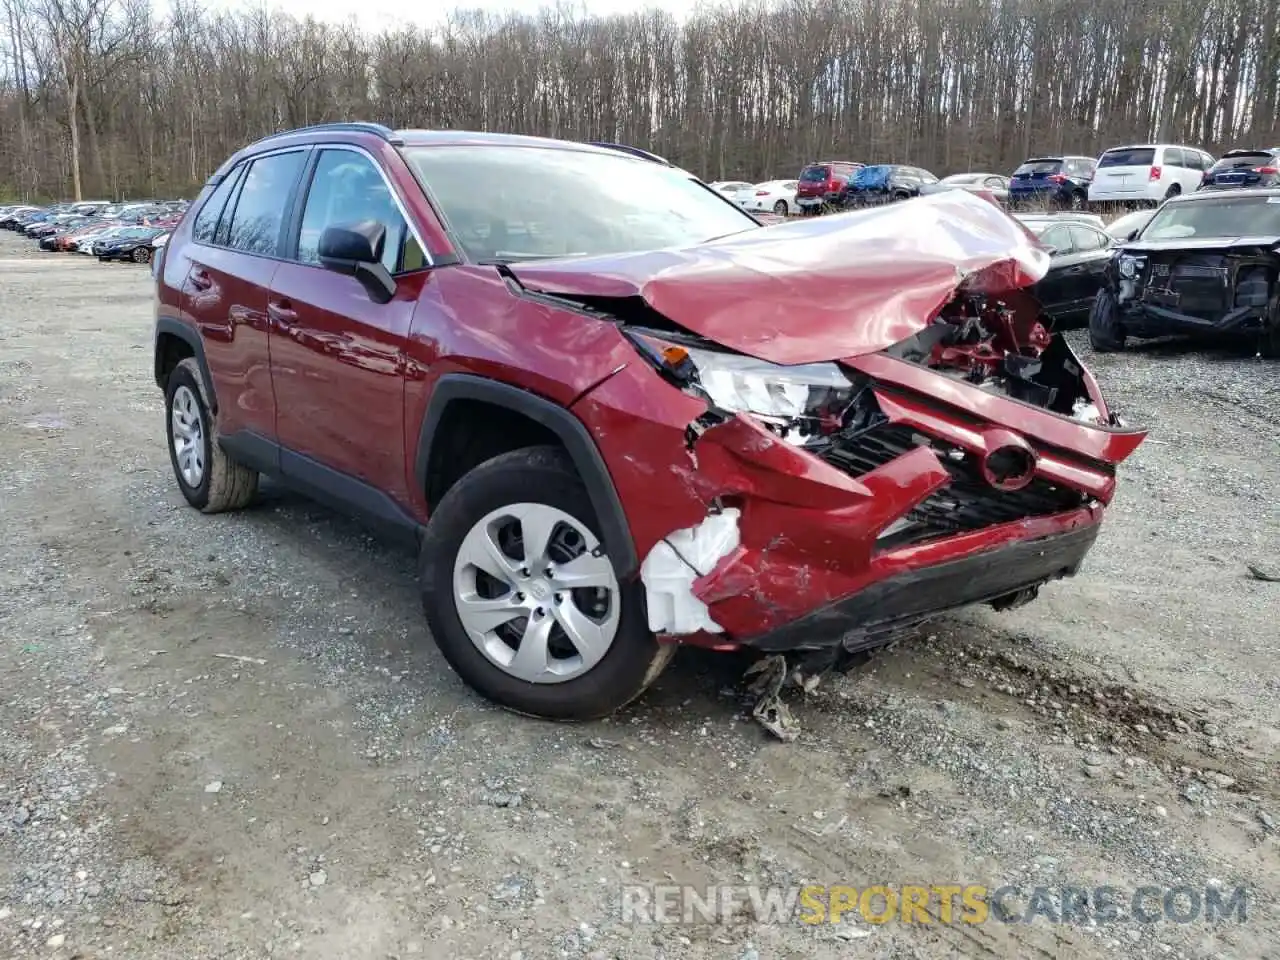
1191 288
966 503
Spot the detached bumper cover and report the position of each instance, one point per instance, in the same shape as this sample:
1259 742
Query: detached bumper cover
1149 320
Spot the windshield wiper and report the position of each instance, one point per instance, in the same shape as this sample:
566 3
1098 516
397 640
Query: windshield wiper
504 256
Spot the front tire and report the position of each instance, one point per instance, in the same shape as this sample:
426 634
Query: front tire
209 480
522 601
142 255
1106 332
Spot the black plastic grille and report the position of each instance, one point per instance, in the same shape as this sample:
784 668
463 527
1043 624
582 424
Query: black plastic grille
966 503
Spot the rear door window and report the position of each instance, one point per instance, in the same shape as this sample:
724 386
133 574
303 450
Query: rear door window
1128 157
264 196
1174 157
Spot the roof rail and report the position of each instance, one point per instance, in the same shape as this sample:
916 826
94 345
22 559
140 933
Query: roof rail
634 151
377 129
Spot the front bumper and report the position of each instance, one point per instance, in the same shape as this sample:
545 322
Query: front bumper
819 561
949 576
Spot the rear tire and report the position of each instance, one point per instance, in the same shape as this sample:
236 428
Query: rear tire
209 480
780 208
1173 191
1269 346
535 481
1106 333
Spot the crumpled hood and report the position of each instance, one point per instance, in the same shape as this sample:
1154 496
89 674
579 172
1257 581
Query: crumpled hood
825 288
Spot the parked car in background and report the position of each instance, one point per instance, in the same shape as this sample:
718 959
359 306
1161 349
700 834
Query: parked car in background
991 183
1127 226
730 188
1244 168
1205 265
1038 221
1079 251
772 196
1061 182
1146 174
131 243
820 184
885 183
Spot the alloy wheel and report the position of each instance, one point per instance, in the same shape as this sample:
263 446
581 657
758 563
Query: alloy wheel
536 593
187 430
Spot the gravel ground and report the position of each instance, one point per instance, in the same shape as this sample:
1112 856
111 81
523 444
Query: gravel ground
341 794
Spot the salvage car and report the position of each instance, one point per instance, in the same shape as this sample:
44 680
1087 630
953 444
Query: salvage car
131 243
1205 265
1244 168
1079 252
989 183
600 437
881 183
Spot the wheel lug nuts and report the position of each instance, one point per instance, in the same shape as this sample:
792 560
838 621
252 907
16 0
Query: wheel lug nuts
519 597
538 612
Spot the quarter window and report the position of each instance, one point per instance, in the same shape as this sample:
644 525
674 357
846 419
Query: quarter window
259 210
346 189
206 223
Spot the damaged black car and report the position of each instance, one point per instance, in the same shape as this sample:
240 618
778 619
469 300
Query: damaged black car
1205 265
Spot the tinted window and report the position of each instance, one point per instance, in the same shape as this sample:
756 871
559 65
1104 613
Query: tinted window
1128 157
259 210
1173 157
813 174
1039 166
345 189
206 224
555 202
1086 238
1215 217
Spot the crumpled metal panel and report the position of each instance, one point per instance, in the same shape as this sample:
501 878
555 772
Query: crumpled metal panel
821 288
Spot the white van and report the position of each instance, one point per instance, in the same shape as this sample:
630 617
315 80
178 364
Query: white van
1147 173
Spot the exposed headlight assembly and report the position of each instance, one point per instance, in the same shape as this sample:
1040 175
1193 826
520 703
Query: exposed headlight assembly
803 400
1129 267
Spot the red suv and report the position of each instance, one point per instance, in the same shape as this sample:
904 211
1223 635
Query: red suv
821 183
617 420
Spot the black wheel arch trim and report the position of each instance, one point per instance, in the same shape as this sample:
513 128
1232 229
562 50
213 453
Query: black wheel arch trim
577 440
168 326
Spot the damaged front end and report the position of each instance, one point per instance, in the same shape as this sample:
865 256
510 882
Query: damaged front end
819 471
1226 288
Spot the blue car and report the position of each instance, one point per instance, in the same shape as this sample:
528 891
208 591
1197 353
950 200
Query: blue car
1244 168
1060 182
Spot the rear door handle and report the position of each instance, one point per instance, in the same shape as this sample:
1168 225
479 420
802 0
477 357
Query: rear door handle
200 280
282 313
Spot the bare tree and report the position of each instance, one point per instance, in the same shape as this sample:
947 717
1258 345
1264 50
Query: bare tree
116 97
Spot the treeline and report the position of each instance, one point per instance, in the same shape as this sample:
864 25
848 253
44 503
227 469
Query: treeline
110 98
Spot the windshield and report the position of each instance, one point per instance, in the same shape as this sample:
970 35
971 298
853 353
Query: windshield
1033 167
814 174
1216 218
1129 157
513 203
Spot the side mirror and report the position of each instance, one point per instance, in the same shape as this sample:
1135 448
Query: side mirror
1132 234
356 251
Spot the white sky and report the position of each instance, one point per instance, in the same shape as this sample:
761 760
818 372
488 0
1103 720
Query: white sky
374 15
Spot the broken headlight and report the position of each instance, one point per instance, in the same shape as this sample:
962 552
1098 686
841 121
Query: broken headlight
782 395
